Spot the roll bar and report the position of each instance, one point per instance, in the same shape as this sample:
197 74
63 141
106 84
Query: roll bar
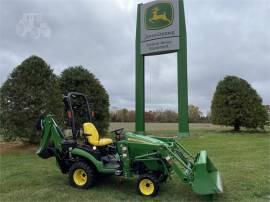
69 109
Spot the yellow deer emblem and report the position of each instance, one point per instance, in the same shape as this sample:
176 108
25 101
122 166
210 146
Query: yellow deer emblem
158 17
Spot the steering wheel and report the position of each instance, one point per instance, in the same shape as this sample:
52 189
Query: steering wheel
118 132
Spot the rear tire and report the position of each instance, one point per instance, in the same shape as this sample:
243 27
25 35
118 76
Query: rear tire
147 185
82 175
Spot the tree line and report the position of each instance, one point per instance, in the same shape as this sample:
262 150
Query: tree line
160 116
32 89
235 103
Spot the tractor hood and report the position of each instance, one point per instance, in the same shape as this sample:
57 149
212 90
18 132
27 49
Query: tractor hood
133 137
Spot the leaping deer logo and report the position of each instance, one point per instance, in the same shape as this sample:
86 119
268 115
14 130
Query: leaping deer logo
158 17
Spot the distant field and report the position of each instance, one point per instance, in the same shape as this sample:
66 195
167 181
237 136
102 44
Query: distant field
242 158
171 128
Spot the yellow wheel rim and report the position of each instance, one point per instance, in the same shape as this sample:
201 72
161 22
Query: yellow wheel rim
79 177
146 187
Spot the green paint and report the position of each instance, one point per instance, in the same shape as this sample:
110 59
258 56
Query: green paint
183 127
199 172
137 153
50 134
158 16
206 177
98 164
140 126
165 10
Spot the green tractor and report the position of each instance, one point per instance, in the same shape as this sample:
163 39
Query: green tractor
152 159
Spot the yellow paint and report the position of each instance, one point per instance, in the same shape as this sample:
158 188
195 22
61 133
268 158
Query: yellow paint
146 187
80 177
158 17
92 135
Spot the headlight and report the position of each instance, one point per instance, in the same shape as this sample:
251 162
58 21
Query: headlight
169 160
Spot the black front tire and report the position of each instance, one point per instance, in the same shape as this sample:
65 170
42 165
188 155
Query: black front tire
148 185
82 175
163 178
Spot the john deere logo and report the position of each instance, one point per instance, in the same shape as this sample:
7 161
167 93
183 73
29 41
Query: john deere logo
158 16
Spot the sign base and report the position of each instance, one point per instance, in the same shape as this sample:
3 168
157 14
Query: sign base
140 132
183 134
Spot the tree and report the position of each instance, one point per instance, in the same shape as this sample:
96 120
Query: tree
30 90
167 116
194 114
235 103
149 116
122 115
170 116
81 80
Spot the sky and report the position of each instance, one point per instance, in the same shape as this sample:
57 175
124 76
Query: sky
224 37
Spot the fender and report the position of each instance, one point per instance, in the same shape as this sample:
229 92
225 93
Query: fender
89 157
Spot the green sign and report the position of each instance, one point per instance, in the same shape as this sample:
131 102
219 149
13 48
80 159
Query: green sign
158 16
161 29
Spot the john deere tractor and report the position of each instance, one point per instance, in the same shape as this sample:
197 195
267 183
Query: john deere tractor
151 159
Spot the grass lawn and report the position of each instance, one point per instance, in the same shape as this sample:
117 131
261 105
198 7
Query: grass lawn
242 158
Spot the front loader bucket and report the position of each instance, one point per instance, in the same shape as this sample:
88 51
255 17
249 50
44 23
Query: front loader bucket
206 177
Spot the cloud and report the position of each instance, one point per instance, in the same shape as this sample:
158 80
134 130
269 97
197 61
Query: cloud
224 38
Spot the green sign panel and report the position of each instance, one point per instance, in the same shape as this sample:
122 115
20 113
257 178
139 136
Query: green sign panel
158 16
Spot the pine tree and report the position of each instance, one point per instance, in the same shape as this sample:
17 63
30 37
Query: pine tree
30 90
79 79
235 103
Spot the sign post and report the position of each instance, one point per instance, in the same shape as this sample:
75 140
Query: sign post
139 125
161 29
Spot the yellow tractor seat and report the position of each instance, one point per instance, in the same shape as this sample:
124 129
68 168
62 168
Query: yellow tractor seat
92 136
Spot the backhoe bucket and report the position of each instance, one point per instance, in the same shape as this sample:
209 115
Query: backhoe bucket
206 177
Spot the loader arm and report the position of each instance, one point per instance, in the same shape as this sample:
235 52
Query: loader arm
199 172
